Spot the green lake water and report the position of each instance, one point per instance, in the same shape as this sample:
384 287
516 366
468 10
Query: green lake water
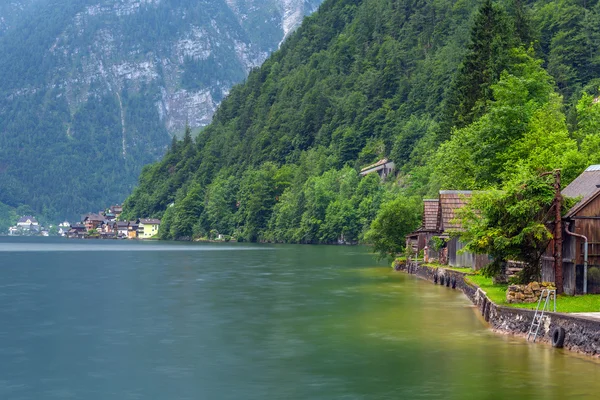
123 320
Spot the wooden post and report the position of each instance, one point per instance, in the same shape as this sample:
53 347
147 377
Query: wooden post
558 263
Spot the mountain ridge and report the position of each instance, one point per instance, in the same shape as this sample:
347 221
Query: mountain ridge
93 90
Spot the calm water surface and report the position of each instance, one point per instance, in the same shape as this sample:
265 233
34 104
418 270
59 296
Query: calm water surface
121 320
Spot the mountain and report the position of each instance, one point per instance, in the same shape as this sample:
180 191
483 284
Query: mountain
12 11
92 90
458 94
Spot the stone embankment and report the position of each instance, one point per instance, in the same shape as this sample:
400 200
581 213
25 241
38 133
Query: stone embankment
582 334
529 293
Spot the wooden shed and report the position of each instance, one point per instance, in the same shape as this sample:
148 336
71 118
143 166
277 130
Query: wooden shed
439 219
450 202
419 239
582 219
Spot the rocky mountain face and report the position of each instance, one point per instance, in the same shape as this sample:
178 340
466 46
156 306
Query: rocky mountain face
100 86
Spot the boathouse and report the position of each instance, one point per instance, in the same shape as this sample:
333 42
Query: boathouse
581 224
420 239
444 212
450 202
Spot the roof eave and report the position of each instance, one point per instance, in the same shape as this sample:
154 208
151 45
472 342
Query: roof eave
579 206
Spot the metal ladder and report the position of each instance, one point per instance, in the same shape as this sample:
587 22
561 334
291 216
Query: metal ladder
539 315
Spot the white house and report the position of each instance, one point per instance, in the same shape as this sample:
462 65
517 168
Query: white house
28 223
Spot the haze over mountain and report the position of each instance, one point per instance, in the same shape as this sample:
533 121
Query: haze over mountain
92 90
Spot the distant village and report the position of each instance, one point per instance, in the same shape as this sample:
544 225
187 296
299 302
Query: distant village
101 225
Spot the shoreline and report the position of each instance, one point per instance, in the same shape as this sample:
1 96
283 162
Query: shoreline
582 334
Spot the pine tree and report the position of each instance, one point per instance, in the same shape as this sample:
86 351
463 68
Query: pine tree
174 146
187 136
488 55
522 22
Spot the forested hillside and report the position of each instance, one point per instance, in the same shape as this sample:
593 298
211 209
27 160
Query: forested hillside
92 90
460 95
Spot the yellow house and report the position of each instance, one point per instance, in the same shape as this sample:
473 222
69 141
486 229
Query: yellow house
148 228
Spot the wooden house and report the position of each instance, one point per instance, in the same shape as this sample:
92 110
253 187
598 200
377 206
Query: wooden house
132 230
450 202
581 222
77 231
445 228
420 239
92 221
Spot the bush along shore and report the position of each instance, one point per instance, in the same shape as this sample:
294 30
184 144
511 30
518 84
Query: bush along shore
574 332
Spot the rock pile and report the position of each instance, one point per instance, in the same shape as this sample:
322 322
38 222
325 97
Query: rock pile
529 293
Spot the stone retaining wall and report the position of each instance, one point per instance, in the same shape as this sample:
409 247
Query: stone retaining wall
582 334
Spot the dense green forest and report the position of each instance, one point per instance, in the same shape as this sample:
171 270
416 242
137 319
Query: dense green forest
459 94
8 217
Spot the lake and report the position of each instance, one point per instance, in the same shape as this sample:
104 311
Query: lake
85 319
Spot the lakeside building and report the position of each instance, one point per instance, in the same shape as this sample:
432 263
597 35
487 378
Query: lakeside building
581 226
148 227
132 230
28 223
63 228
105 225
92 221
440 221
77 231
419 239
121 227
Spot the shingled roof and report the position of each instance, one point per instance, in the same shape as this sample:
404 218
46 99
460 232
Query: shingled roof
430 215
586 186
92 217
450 201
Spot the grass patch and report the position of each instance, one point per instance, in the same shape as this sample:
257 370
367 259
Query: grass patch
464 270
566 304
398 261
496 293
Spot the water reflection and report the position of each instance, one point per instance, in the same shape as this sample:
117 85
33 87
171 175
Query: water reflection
120 246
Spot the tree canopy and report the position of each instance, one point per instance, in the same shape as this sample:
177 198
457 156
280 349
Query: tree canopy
514 222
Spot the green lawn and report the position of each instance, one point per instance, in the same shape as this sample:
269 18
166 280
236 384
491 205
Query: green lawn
566 304
465 270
